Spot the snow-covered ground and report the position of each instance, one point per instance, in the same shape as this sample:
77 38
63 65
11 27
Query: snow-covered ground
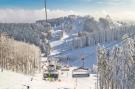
75 55
11 80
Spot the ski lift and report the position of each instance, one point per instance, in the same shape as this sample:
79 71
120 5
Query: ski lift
50 71
80 72
51 74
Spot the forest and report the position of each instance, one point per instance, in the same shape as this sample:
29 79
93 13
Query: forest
18 56
33 33
116 66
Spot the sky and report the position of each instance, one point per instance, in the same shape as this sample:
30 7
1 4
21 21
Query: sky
31 10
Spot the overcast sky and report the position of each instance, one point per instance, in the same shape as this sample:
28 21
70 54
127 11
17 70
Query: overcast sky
31 10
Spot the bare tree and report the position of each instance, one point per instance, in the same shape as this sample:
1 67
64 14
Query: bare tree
18 56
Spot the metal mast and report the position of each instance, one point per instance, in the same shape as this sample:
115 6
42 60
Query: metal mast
45 9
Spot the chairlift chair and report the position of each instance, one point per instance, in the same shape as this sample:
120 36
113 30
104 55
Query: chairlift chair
50 74
80 72
65 68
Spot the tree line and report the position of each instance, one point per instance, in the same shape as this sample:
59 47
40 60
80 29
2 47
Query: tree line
85 39
34 33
